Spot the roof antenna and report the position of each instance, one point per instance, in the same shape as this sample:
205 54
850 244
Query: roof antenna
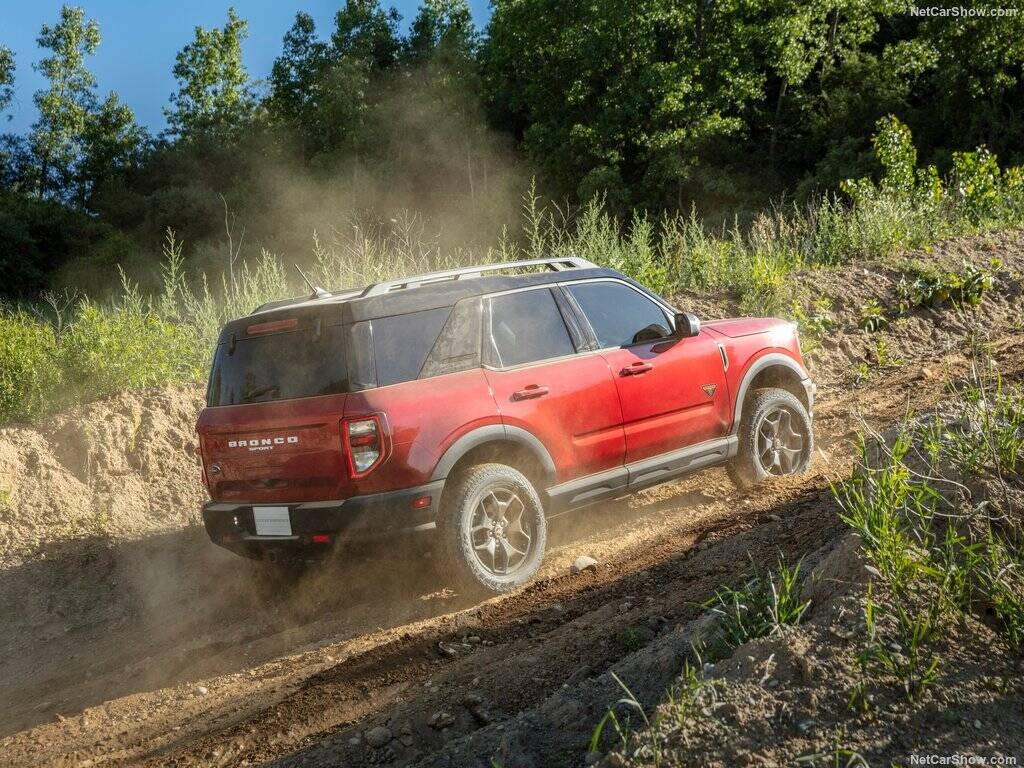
318 292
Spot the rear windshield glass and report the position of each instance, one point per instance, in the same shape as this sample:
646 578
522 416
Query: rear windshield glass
280 366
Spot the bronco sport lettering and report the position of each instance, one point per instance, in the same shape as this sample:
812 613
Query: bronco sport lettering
262 442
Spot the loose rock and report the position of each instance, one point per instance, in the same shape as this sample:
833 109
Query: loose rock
583 563
447 650
442 719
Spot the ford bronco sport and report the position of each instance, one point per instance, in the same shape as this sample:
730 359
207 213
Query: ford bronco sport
478 403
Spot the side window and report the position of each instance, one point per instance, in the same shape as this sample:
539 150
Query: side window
401 343
620 315
526 327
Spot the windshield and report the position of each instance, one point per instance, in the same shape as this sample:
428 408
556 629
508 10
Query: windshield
280 366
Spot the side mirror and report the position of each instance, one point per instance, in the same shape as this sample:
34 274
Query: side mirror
687 325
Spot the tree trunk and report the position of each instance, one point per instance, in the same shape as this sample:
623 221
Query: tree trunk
778 118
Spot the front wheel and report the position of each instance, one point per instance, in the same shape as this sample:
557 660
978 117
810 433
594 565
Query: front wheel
493 530
775 438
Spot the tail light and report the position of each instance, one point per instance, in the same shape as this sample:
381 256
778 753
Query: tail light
364 444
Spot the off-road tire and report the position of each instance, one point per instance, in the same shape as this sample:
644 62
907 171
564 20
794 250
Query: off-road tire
745 468
457 558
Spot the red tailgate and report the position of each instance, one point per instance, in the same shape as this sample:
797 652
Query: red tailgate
276 451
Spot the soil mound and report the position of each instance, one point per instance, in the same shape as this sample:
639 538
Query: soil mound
118 468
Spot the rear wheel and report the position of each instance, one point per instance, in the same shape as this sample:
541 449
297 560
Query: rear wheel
775 438
493 530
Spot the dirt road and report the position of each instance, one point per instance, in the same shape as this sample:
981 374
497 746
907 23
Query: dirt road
373 661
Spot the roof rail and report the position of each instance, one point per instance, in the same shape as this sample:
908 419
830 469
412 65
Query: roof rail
463 273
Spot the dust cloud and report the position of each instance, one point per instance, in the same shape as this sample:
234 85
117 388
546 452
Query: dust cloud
436 180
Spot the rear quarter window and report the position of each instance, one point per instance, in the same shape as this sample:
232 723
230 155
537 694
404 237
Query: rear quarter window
401 343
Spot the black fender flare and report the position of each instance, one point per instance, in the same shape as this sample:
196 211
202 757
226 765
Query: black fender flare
495 433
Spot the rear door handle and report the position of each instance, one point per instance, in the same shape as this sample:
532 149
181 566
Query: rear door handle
530 392
635 369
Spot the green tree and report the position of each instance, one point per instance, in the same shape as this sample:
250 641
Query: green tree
78 142
367 33
296 73
6 77
214 97
364 45
11 146
111 143
64 106
618 98
977 87
444 29
803 39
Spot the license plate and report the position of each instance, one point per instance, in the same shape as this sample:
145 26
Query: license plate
272 521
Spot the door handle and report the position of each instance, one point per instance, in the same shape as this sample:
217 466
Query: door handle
530 392
636 369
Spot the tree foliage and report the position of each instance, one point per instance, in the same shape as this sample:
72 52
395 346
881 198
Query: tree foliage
648 105
215 96
78 142
443 29
64 106
6 77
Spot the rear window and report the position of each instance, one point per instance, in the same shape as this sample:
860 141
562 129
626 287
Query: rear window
279 366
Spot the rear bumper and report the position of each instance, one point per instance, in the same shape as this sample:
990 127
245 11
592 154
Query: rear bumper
231 525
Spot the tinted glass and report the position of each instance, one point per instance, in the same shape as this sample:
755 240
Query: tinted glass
279 366
620 315
526 327
401 343
458 345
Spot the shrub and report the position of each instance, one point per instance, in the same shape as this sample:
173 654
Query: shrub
29 372
978 184
127 347
872 316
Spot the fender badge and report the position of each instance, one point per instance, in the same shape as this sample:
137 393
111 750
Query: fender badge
709 389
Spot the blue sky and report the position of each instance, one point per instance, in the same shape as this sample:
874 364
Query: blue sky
141 37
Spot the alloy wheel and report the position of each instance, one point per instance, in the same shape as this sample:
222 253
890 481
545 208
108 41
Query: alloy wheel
780 442
500 531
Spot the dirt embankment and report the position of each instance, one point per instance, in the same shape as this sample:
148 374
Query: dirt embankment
131 639
118 469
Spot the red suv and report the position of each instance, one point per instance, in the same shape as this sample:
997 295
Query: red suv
476 404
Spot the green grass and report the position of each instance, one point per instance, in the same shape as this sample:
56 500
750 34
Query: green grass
937 553
74 349
763 606
693 697
932 561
